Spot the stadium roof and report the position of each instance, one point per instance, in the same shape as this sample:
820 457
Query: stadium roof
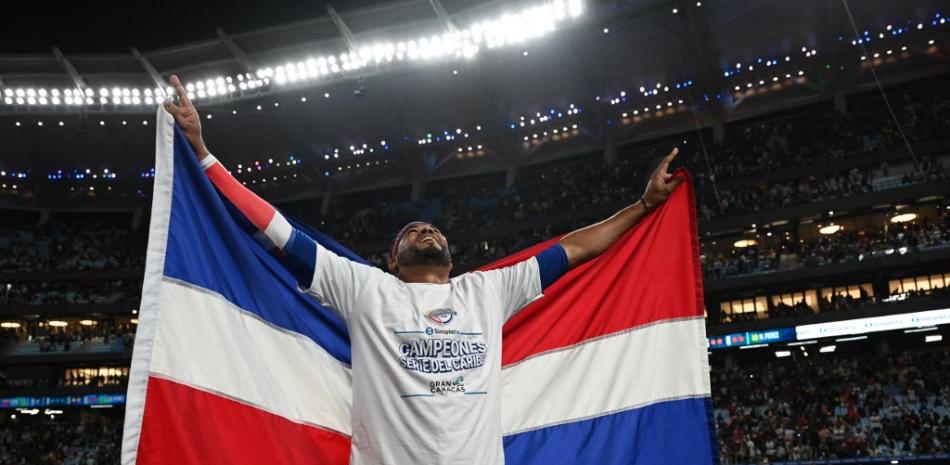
619 70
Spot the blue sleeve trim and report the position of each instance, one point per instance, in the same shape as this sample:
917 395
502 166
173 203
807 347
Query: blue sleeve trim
301 260
552 264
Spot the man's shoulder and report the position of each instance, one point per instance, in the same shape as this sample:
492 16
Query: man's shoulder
500 273
472 278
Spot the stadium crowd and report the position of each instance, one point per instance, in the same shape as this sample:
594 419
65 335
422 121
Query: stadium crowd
70 245
817 188
75 336
851 406
815 137
76 438
74 292
586 182
841 247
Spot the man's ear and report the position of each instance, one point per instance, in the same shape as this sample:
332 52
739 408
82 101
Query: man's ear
393 267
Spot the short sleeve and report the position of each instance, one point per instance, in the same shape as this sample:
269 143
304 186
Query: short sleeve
517 285
552 264
339 282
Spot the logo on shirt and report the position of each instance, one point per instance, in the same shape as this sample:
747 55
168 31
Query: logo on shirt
455 385
441 316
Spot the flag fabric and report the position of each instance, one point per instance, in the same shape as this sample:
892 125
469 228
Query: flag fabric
234 364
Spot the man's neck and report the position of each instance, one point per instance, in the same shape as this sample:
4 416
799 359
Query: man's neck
425 274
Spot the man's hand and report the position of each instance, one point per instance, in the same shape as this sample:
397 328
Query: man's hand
591 241
187 117
661 183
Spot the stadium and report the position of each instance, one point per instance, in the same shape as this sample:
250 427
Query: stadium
816 135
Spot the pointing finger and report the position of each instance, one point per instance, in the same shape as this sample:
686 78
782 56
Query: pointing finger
665 164
180 90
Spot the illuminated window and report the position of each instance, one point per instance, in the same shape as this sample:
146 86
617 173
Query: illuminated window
910 284
919 283
939 281
853 291
810 297
101 376
756 305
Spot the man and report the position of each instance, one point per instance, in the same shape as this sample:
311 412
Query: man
426 349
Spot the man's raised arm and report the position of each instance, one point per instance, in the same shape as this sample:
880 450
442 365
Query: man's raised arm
590 241
337 282
297 249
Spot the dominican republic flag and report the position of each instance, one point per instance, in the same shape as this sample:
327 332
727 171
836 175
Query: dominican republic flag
233 365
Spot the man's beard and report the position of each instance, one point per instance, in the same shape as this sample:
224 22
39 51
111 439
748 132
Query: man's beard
425 256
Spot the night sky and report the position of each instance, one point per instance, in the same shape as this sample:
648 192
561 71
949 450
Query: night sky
113 26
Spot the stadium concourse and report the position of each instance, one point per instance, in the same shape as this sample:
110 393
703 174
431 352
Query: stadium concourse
817 135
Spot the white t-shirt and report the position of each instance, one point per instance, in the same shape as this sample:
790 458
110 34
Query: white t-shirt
426 359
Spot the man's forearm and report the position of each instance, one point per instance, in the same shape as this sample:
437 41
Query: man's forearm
591 241
198 145
297 249
200 151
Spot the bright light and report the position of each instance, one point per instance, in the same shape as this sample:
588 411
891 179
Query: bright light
802 343
920 330
783 353
574 8
753 346
742 243
830 229
87 322
827 349
903 217
9 324
933 338
57 323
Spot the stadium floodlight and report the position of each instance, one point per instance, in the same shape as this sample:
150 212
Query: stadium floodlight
9 325
830 229
933 338
827 349
783 353
743 243
508 29
903 217
57 323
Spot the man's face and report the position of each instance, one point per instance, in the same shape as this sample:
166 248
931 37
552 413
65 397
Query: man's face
423 244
